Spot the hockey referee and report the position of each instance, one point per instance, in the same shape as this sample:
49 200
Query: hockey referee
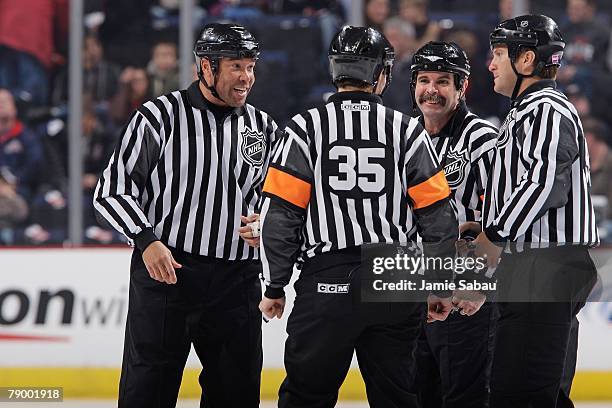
454 356
187 167
538 210
346 174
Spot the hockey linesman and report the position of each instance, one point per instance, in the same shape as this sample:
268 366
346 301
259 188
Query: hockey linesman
350 173
454 356
187 167
538 211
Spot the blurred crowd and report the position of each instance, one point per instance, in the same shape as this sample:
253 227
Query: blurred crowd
130 55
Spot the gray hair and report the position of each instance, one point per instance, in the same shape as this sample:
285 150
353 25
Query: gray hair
403 26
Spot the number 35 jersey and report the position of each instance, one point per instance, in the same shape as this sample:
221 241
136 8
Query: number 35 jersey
351 172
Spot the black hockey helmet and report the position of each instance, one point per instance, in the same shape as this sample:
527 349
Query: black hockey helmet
443 57
218 40
360 53
535 32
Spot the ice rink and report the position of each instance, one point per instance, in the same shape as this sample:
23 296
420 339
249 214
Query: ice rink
194 404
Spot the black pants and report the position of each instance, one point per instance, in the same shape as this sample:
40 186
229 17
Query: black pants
541 292
454 360
569 369
214 305
326 328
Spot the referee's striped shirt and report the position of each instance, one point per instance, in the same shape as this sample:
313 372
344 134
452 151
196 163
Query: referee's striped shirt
539 189
181 176
465 149
348 173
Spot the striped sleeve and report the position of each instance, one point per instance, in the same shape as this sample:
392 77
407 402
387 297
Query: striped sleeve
549 151
481 156
117 195
289 177
286 195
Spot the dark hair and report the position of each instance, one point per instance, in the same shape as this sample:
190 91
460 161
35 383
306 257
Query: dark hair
342 83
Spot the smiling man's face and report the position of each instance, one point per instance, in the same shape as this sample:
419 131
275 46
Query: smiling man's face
235 78
436 94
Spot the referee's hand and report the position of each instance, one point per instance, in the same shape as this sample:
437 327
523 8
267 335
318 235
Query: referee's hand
488 250
438 308
272 307
246 232
160 263
468 301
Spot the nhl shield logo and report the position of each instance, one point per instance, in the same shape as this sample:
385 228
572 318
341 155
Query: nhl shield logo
455 167
253 146
504 132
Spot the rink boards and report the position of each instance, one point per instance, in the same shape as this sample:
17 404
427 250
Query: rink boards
62 316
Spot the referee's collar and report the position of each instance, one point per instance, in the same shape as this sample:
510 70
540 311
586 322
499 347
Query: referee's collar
536 86
197 100
355 96
453 123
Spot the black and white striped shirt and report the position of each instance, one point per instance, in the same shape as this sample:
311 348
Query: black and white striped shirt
181 176
465 149
539 188
348 173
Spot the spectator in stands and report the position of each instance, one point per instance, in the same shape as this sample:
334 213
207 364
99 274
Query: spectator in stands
507 11
98 144
22 154
376 12
596 106
163 69
13 208
587 45
480 95
100 77
599 142
401 35
27 46
579 100
21 151
133 92
415 12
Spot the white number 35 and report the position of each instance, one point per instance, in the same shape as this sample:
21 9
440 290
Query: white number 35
365 168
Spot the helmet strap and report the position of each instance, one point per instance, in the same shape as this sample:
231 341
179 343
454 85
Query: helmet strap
518 82
519 77
387 74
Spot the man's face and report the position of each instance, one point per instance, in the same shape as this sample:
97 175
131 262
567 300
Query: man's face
414 11
377 10
235 78
504 77
92 53
579 11
139 83
436 94
164 57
